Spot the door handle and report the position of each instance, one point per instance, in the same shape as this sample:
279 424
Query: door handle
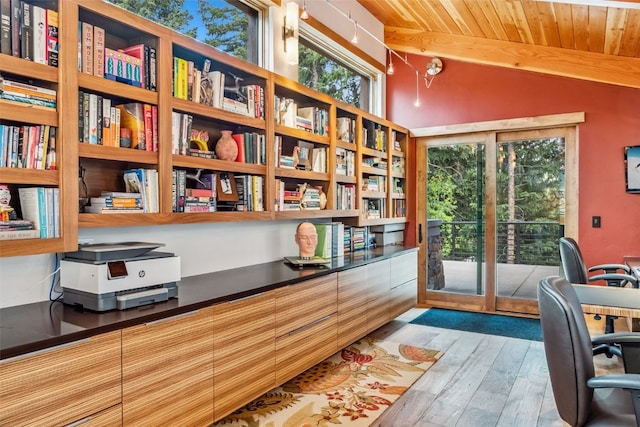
419 233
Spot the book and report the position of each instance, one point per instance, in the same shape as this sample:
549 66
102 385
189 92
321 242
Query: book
5 27
39 16
140 66
107 210
52 37
87 48
98 51
19 234
132 118
26 31
148 127
16 23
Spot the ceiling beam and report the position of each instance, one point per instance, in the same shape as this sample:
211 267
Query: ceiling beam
612 69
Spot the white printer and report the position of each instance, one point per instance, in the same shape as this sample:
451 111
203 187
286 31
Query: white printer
107 276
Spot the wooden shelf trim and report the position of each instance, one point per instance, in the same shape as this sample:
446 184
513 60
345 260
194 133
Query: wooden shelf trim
218 165
20 111
13 65
29 176
91 83
217 114
93 151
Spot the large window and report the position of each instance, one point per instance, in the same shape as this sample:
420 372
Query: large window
326 66
319 71
232 26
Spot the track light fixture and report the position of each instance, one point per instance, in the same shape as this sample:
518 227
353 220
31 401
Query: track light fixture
434 67
304 15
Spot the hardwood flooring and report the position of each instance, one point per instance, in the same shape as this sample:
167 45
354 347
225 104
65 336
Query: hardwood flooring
481 381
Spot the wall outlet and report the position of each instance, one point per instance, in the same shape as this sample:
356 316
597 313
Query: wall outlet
595 222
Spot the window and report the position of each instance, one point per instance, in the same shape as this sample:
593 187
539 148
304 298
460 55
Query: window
329 68
232 26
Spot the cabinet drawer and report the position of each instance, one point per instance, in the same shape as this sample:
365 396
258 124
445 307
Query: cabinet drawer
108 418
303 348
403 298
404 268
62 384
244 351
352 305
298 305
378 294
167 371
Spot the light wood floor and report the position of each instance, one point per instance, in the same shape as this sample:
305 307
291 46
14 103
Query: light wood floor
481 381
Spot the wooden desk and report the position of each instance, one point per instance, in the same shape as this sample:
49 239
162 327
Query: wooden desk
606 310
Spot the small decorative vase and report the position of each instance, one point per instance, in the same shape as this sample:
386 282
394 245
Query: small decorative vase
226 148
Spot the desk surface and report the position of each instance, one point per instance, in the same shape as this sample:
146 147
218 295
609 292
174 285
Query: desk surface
607 310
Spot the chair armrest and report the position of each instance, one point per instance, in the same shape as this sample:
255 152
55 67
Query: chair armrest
617 338
607 267
624 381
616 276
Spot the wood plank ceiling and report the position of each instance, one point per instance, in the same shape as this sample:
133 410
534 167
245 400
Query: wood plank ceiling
595 40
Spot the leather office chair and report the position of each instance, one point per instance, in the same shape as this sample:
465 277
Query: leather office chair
582 399
576 271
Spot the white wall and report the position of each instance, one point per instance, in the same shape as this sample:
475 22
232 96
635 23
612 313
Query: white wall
202 247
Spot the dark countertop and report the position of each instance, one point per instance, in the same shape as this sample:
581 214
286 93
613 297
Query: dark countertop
31 327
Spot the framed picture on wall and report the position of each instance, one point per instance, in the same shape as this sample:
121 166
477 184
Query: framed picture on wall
632 163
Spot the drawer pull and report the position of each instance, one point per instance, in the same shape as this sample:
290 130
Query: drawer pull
79 422
177 316
44 350
245 298
309 325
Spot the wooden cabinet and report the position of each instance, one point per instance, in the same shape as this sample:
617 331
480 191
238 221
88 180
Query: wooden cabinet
244 351
352 305
108 418
63 384
167 371
306 325
404 282
378 275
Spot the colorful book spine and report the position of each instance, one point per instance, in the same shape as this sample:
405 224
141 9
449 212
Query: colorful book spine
52 37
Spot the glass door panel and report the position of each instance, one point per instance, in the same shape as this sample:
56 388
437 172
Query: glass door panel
530 207
455 219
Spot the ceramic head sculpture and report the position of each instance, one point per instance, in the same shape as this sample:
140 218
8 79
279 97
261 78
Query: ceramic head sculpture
306 239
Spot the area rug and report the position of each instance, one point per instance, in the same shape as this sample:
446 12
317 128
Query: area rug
353 387
492 324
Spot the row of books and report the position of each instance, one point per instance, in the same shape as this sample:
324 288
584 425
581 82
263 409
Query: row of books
251 147
346 129
27 93
134 65
374 183
345 162
130 125
373 136
399 208
330 240
31 147
41 206
29 31
201 198
357 238
346 196
216 89
311 119
250 190
304 155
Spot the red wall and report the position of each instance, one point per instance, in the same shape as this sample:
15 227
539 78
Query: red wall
466 92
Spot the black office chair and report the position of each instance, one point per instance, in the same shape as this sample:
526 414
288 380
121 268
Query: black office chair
576 272
582 399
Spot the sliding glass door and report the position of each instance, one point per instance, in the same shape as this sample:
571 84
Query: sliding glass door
491 207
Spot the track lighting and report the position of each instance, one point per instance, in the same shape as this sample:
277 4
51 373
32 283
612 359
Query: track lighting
390 69
304 15
354 40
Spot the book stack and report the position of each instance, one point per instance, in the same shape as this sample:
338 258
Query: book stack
18 229
292 200
200 199
25 93
310 199
312 119
116 202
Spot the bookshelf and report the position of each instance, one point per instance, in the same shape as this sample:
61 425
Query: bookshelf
331 131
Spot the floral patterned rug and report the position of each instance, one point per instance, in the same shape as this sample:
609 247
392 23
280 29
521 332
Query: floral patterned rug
353 387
